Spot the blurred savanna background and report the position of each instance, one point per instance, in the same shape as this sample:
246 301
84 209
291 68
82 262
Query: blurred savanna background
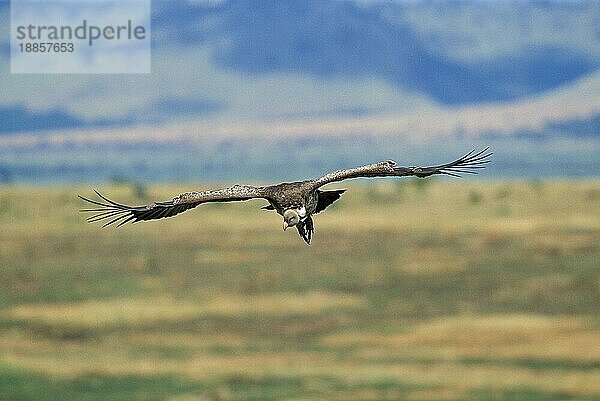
485 287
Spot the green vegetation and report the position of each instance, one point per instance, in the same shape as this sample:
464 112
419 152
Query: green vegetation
445 291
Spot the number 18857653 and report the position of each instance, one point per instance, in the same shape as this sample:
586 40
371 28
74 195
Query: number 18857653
37 47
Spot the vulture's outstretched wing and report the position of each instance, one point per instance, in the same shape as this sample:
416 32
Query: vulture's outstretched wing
468 164
114 212
326 198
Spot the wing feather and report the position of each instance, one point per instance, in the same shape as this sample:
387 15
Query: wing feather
113 212
326 198
470 163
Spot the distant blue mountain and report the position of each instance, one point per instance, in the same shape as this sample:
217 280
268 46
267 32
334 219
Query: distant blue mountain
418 46
287 159
342 38
19 119
583 128
183 107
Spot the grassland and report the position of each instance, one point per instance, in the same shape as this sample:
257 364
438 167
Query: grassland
420 290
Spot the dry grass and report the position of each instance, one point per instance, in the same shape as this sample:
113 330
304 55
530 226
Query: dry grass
408 292
145 311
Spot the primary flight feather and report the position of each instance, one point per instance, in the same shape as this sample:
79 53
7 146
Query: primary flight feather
295 201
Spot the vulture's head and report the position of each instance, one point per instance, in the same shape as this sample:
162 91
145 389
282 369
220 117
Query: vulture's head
290 218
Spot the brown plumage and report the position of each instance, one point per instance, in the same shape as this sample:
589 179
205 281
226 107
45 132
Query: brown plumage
295 201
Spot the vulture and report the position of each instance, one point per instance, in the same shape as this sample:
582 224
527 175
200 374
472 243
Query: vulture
296 202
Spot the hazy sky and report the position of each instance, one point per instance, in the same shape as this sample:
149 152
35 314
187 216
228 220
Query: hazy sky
193 78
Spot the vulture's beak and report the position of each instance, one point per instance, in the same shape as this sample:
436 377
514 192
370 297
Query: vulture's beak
285 225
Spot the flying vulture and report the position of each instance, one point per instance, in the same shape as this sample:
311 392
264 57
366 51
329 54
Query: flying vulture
297 201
